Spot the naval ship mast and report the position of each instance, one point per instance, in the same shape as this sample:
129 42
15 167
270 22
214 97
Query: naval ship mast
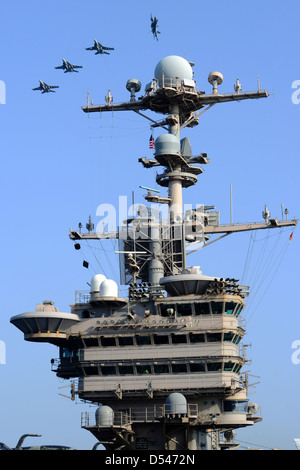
163 366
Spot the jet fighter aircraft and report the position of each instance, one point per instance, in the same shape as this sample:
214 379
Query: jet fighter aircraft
67 67
99 48
154 24
44 88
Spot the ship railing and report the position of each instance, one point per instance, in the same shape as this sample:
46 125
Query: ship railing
82 296
148 414
177 84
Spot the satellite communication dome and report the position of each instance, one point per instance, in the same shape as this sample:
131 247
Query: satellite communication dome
173 68
109 288
96 282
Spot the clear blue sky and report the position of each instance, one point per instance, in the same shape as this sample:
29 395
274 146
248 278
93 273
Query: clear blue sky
58 165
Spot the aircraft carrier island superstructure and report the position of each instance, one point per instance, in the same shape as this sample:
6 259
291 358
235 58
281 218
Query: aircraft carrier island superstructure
164 365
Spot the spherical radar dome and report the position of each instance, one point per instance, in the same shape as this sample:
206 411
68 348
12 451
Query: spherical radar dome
173 67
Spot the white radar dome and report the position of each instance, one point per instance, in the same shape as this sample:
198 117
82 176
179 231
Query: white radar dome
104 416
173 67
109 288
96 282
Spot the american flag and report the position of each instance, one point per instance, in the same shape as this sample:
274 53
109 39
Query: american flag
151 142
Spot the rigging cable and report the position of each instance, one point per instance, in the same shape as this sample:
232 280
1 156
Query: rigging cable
275 265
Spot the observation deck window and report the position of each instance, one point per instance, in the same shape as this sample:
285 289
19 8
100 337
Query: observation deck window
214 366
202 308
179 339
197 367
92 370
108 370
212 337
197 338
166 310
237 339
143 340
125 370
108 341
228 337
184 310
217 308
144 369
91 342
161 368
235 406
229 308
69 353
178 368
161 339
193 366
237 368
238 310
125 340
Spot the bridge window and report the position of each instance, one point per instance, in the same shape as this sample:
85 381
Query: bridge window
238 310
167 310
178 368
90 342
184 310
144 369
228 337
217 308
143 340
214 366
237 368
229 308
237 339
228 366
235 406
197 338
213 337
91 370
125 370
108 341
161 368
161 339
108 370
179 339
202 309
125 340
197 367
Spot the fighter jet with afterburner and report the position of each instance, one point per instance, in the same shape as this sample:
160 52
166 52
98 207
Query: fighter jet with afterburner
67 67
44 88
99 48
